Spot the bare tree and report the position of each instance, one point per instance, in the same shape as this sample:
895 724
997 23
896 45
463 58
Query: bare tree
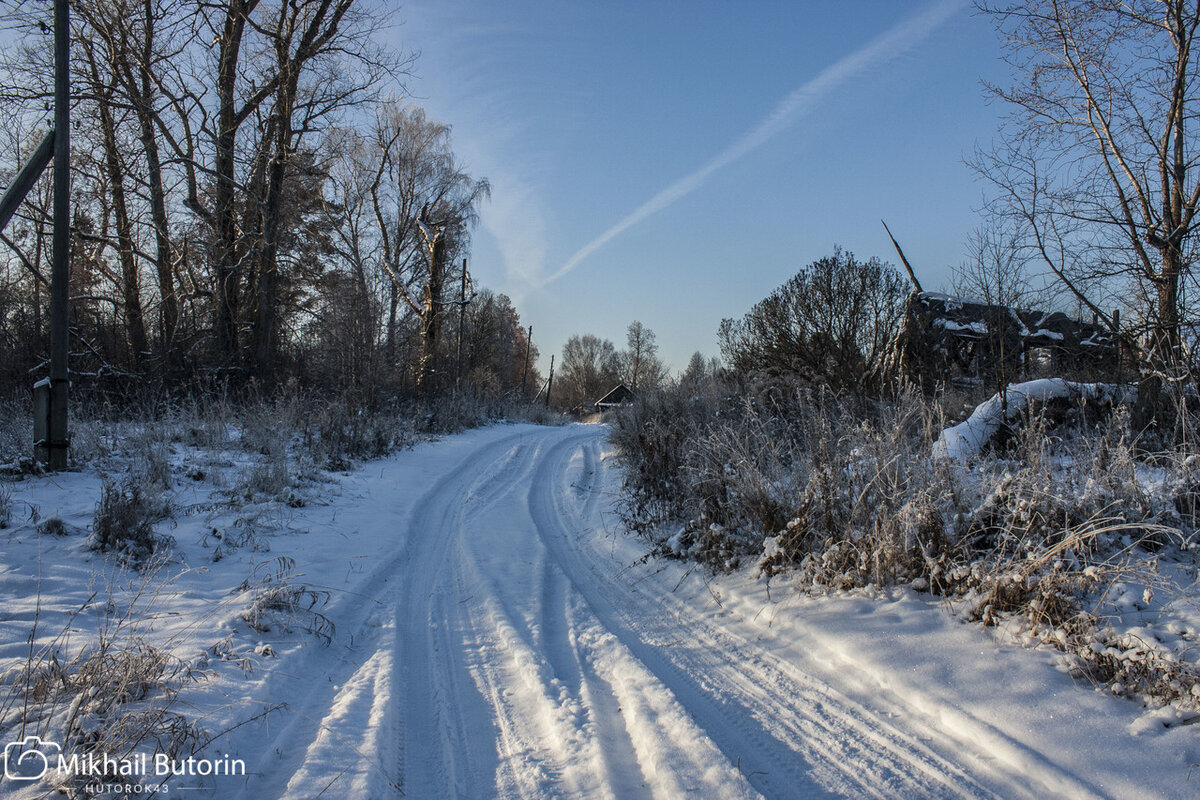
994 274
830 323
640 365
1097 159
424 204
590 367
135 42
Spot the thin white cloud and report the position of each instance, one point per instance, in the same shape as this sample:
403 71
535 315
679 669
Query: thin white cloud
514 219
892 43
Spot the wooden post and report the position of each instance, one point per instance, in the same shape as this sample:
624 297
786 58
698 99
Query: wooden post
550 384
462 313
525 371
59 440
912 276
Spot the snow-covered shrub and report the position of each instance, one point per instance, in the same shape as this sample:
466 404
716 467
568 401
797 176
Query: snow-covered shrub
345 429
16 430
149 450
124 522
274 595
650 436
269 475
728 469
52 526
203 421
1032 534
6 505
458 412
874 511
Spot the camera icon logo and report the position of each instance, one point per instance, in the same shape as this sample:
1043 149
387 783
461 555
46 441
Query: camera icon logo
29 759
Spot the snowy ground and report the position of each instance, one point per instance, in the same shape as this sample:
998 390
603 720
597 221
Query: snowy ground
496 635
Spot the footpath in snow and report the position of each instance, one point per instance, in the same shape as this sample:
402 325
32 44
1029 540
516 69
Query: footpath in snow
497 635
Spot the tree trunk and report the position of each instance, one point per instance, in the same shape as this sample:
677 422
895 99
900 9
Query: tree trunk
163 257
135 326
267 317
393 312
225 255
431 318
1165 342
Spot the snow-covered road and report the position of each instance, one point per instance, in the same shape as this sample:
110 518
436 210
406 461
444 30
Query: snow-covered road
508 642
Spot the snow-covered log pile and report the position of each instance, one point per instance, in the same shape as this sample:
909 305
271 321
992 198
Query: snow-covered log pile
968 438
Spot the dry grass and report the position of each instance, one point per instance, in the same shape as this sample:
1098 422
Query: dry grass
124 522
276 598
112 695
1033 536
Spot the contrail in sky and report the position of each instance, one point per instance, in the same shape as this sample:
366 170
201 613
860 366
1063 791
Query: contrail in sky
899 39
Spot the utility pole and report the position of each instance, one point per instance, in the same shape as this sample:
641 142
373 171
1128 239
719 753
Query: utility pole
60 380
50 395
24 180
462 314
550 385
525 371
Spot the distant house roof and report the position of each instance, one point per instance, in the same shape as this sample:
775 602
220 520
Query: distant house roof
618 395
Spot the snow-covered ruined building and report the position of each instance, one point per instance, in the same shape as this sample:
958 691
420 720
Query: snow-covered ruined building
951 340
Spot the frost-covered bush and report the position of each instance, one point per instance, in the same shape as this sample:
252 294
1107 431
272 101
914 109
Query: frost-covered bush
16 430
345 430
274 594
6 505
716 477
124 522
1032 532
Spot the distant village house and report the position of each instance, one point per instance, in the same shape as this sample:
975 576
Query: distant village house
618 396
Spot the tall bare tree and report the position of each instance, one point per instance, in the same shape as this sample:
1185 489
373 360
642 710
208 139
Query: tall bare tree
1098 160
640 365
424 204
590 367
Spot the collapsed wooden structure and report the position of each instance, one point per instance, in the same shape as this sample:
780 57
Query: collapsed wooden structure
951 340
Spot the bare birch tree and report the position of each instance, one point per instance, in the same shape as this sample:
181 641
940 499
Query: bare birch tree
424 204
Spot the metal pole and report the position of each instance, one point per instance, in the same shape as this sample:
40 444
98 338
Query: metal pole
60 270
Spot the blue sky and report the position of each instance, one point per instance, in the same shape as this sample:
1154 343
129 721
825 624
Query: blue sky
673 162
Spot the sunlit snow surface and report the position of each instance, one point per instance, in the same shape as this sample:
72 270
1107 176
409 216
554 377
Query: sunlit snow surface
497 635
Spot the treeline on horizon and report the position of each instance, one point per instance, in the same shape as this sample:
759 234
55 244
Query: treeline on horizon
253 203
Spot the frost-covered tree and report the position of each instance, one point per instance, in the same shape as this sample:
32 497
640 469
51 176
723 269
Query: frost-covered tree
830 324
641 367
590 367
1097 159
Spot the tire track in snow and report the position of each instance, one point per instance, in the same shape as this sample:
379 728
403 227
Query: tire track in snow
498 656
361 669
560 694
788 737
429 701
530 665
